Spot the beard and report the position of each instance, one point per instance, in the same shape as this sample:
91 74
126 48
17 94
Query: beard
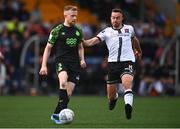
72 23
115 25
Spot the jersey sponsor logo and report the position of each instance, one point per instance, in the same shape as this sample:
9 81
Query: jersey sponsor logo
71 42
124 34
115 34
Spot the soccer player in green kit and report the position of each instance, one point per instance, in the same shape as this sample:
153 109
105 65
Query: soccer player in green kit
69 57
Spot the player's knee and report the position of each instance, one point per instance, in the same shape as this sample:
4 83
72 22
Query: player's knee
127 83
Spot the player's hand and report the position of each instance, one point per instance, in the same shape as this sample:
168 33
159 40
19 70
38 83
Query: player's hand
83 64
138 55
43 70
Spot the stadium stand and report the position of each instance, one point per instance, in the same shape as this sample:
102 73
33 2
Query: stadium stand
22 19
51 10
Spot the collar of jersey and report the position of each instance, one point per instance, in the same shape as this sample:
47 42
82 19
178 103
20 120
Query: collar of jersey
119 28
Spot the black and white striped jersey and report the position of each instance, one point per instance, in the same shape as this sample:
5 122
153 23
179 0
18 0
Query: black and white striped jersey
119 43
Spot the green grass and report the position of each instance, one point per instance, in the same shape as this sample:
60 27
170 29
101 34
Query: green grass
90 112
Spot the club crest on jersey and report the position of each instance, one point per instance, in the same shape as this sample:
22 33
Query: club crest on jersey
126 30
77 33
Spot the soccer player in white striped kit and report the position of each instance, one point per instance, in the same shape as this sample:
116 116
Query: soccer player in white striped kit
124 49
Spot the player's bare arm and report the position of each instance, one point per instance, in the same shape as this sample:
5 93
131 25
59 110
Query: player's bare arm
81 55
137 47
47 51
91 42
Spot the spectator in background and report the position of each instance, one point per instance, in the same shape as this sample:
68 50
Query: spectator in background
1 10
87 30
15 72
36 15
2 74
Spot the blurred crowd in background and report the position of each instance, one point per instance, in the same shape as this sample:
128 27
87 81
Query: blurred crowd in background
155 31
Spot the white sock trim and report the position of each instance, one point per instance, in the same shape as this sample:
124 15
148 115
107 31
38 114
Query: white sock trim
127 90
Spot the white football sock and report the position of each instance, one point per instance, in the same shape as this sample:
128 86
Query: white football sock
128 97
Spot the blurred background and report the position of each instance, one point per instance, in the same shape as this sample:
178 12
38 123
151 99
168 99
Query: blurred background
25 27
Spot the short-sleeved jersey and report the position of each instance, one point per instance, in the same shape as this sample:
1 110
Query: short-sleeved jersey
119 43
66 40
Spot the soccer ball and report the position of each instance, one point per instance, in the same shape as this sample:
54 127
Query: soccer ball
66 116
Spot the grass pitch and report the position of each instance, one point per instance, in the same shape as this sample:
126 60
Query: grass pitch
90 112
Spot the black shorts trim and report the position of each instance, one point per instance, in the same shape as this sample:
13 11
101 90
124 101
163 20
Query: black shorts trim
112 82
127 73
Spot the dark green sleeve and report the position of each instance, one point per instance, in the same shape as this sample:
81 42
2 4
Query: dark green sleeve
80 31
54 34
